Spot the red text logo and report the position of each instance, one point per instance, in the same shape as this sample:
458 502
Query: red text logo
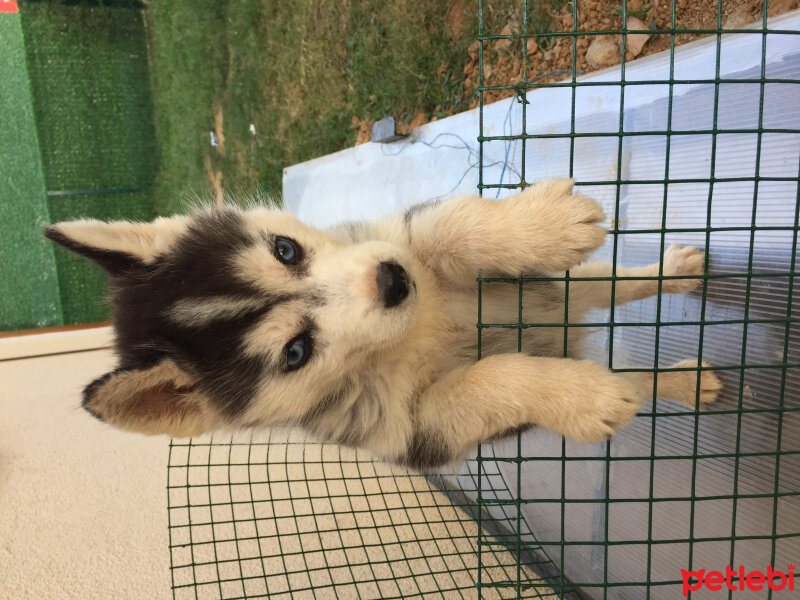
738 579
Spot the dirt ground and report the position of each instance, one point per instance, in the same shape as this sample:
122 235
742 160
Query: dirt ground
505 66
503 58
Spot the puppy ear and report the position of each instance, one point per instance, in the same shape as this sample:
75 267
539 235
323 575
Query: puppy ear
119 247
159 399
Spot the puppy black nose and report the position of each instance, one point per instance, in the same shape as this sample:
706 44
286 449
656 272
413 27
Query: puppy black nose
392 284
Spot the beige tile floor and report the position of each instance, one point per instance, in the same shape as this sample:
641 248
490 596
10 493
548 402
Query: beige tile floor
275 516
83 511
82 506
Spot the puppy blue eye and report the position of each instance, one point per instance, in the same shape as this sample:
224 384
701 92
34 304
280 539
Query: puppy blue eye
286 251
298 352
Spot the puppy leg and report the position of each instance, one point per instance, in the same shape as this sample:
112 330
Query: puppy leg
578 399
543 227
584 295
680 385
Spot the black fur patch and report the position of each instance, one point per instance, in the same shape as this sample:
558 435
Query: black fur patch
427 449
213 353
114 263
199 266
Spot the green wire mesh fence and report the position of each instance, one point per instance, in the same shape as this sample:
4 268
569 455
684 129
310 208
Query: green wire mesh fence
270 515
732 469
274 515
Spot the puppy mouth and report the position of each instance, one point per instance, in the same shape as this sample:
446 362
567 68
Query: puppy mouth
394 284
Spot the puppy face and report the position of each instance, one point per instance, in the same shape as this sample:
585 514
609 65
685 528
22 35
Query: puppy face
232 317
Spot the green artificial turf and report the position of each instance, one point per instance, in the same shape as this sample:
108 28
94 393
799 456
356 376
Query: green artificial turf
91 94
28 284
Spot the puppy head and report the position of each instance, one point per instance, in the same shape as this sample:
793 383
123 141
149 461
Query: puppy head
229 318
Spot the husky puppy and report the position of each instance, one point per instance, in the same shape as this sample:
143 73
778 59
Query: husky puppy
365 334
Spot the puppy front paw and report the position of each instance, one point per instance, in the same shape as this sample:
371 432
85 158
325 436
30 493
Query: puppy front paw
682 385
606 403
682 260
565 227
